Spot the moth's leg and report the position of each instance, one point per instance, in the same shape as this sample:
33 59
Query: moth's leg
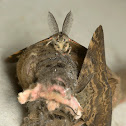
70 48
68 51
48 43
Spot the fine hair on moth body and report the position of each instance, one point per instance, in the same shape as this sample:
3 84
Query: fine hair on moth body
60 40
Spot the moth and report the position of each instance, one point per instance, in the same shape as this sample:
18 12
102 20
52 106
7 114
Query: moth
65 83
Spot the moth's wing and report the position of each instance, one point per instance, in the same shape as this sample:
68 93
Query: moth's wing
92 59
52 23
77 53
14 57
94 92
67 23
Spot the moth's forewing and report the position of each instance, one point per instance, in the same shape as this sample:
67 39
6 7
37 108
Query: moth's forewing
14 57
95 92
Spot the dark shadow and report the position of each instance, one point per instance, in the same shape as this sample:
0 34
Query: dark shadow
10 70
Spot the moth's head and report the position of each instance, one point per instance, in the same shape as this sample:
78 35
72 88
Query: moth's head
61 42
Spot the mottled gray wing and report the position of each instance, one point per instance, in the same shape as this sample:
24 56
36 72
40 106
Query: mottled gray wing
52 23
67 23
94 92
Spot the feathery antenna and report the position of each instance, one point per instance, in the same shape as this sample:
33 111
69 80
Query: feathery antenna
67 23
52 23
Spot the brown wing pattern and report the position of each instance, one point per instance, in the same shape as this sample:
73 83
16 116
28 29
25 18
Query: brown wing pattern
94 91
14 57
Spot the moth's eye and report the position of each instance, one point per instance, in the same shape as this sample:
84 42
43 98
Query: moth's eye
64 40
